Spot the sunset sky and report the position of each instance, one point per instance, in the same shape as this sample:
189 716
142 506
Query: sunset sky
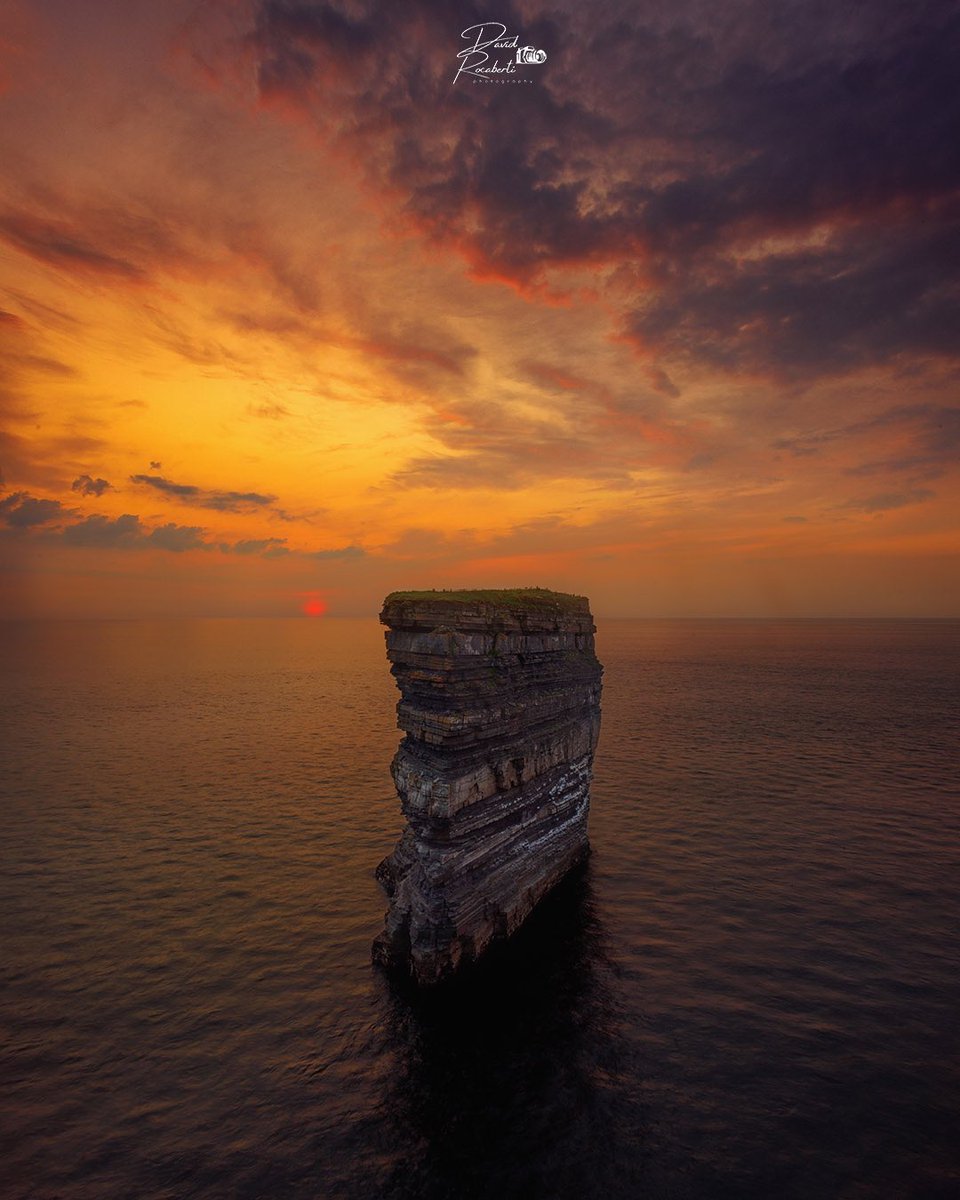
289 318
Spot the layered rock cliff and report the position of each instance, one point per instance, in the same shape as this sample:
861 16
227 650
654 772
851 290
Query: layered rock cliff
500 704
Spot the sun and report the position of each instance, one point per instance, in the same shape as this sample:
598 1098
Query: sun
314 607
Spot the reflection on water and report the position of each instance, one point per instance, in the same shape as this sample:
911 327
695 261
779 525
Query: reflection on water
514 1080
751 992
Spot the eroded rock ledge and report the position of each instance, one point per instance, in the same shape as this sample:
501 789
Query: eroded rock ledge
500 704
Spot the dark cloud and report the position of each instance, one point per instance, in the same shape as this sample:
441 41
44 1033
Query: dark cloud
177 538
88 486
884 501
476 163
344 552
124 532
266 547
127 533
61 246
236 501
927 437
156 466
20 511
167 485
189 493
24 513
676 136
42 362
860 300
269 412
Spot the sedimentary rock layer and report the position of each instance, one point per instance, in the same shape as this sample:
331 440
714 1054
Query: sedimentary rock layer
500 704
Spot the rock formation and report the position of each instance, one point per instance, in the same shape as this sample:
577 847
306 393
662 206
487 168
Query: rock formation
500 704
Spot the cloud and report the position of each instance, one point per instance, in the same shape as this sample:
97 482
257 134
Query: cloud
344 552
124 532
42 362
269 412
266 547
57 243
553 378
189 493
884 501
407 355
781 183
166 485
128 533
87 486
24 513
474 165
925 439
856 300
430 544
409 348
280 324
178 538
21 511
579 430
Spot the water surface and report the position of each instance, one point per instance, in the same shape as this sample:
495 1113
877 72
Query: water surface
751 992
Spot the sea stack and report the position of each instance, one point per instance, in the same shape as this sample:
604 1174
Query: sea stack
500 705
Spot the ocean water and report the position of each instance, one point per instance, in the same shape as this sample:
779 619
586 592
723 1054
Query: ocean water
752 991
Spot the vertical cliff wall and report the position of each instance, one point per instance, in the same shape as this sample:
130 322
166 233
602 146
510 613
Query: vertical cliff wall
500 704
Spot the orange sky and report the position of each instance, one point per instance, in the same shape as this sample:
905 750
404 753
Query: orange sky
285 317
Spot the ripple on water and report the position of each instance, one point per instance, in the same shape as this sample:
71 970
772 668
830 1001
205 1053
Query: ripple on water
750 992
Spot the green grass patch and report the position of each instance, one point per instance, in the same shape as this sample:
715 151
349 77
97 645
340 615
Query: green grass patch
512 598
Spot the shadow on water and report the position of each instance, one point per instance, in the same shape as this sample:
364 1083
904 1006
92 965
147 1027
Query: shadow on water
514 1080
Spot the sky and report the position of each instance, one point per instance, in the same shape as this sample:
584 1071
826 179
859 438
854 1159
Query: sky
298 307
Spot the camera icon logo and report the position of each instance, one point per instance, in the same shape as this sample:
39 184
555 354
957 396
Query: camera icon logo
528 54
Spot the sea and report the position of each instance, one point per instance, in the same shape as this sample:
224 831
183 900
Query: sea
751 992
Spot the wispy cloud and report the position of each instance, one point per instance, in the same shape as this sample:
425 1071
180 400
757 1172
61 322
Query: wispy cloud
189 493
345 553
925 439
267 547
884 501
61 246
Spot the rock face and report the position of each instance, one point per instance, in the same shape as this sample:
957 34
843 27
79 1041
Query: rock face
500 704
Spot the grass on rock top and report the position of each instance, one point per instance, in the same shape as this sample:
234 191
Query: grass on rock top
519 598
